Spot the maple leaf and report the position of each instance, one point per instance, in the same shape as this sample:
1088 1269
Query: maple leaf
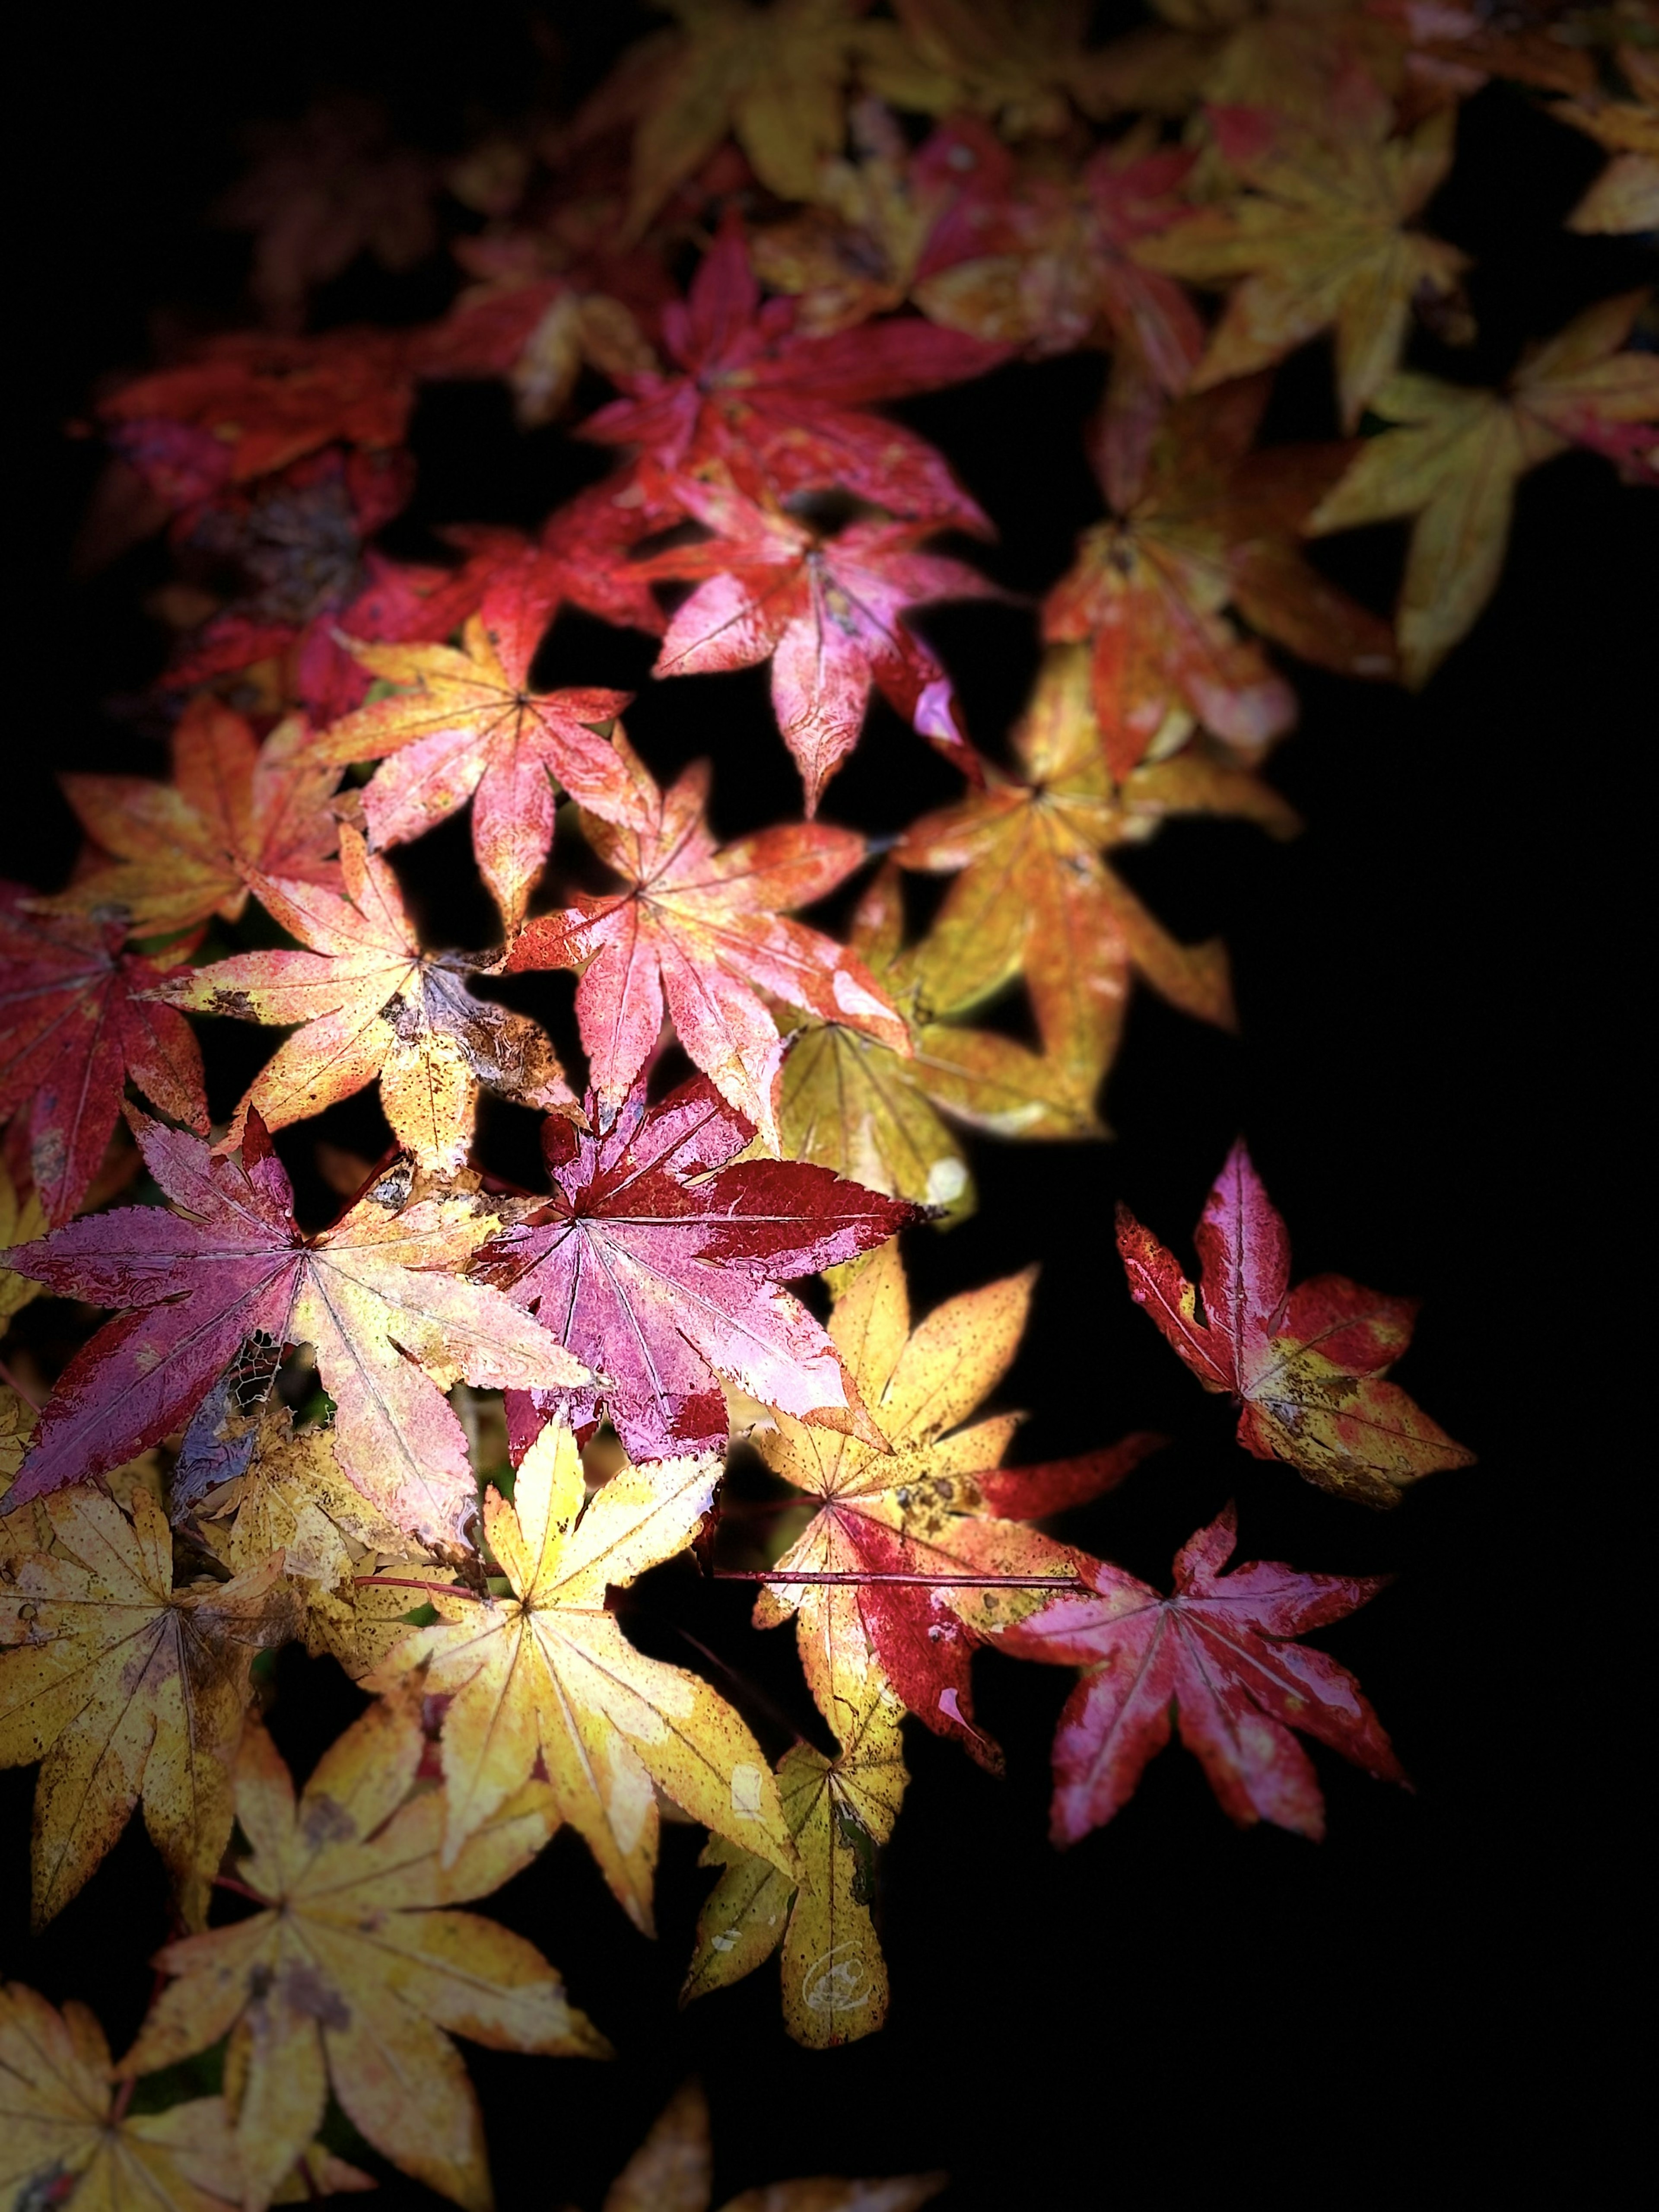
827 613
936 1502
186 850
251 403
75 1021
535 330
1625 198
849 1103
673 2170
359 1969
292 1498
660 1261
1319 239
1209 523
392 1324
1033 896
838 1811
774 77
752 392
546 1673
127 1690
1023 62
470 728
1454 455
698 929
1051 265
1305 1366
70 2139
1217 1652
371 1003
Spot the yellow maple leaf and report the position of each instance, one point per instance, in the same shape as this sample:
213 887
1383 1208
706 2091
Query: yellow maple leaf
1456 454
838 1810
1319 239
68 2139
546 1672
1625 198
127 1689
22 1218
358 1971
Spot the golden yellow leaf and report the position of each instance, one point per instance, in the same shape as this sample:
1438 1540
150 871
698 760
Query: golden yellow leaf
358 1972
126 1689
839 1810
22 1218
546 1672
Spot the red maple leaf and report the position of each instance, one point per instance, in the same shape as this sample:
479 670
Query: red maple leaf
74 1024
1303 1365
826 612
698 927
755 390
251 403
1218 1655
378 1294
661 1268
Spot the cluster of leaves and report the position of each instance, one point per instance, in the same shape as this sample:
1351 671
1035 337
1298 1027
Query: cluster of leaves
431 1438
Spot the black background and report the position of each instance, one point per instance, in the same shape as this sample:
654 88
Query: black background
1433 981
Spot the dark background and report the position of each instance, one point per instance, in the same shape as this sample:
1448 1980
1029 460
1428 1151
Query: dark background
1433 983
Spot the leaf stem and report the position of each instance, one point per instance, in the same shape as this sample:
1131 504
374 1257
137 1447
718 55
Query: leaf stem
412 1581
851 1579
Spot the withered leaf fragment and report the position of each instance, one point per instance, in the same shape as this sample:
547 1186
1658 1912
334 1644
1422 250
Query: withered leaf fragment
1218 1655
545 1673
378 1295
839 1811
660 1261
1303 1365
370 1002
697 928
358 1971
936 1503
75 1021
127 1690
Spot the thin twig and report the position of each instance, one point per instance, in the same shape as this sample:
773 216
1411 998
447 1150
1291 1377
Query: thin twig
409 1582
239 1888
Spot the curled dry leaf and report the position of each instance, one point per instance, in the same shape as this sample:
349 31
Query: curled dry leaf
839 1811
378 1295
659 1261
911 1526
76 1019
358 1970
1305 1366
545 1673
698 929
186 850
128 1690
370 1004
1218 1656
